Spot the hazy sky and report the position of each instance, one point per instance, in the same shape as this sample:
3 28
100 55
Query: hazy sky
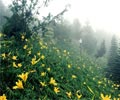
102 14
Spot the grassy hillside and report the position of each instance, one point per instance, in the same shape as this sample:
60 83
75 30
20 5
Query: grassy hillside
43 69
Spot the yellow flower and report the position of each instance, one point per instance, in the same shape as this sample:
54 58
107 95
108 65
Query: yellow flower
105 97
99 82
56 89
69 94
69 66
24 76
1 34
78 94
43 73
34 61
3 55
25 47
19 85
116 98
32 71
14 65
68 53
58 50
14 57
52 81
22 37
26 39
19 65
48 69
84 83
73 76
43 84
43 65
40 43
43 47
42 57
29 52
3 97
64 51
38 53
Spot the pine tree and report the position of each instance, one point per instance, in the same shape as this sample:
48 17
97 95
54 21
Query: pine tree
101 50
115 70
113 51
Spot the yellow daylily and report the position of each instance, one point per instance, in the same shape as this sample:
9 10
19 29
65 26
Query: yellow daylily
29 52
78 94
3 97
32 71
64 51
19 85
1 34
42 57
69 66
56 89
25 47
43 73
43 84
14 65
52 81
24 76
22 37
38 53
14 57
43 65
69 94
19 65
73 76
34 61
105 97
116 98
3 55
26 40
48 69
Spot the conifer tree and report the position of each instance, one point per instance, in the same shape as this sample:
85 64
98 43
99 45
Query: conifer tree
113 51
115 70
101 50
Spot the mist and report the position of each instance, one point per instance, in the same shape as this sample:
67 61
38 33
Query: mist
57 49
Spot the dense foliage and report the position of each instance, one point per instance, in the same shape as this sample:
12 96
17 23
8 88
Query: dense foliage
50 67
41 70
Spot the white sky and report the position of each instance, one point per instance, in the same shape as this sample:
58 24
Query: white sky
102 14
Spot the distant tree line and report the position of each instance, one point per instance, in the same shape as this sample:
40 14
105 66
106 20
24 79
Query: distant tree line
75 31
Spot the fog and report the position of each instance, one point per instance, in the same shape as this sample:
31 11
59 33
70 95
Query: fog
102 14
59 49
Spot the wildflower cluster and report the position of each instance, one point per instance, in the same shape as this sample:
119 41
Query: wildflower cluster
41 69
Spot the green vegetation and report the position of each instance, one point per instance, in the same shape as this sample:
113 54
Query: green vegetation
72 75
46 63
113 70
